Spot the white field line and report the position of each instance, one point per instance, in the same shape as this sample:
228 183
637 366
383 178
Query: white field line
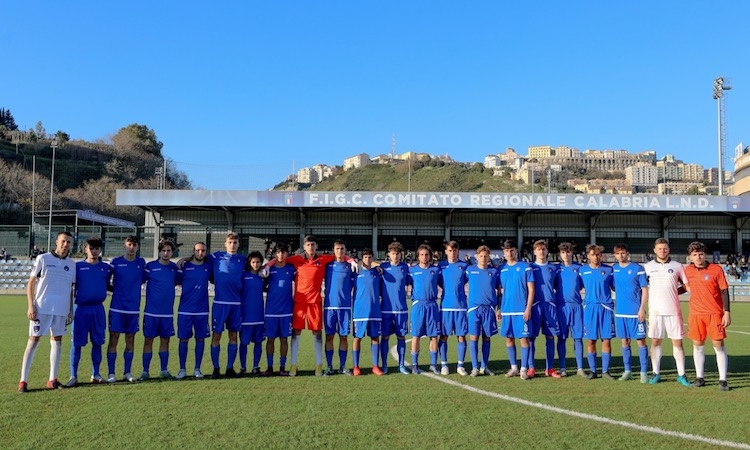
592 417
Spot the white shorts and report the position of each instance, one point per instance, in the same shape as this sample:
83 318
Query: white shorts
46 322
672 325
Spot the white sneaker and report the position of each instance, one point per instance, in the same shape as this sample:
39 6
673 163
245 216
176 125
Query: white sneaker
111 378
72 382
524 374
486 371
461 371
444 370
512 373
198 374
474 373
181 374
130 378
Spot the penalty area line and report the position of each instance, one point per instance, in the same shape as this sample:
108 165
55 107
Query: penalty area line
580 415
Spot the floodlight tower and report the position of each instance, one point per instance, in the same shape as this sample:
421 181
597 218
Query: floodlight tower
720 85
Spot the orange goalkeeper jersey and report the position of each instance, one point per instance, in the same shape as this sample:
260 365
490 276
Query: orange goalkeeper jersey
706 285
309 278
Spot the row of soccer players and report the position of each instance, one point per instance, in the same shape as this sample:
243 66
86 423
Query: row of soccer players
533 297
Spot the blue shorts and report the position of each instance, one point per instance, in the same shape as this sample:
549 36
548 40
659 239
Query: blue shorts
598 322
123 323
482 321
278 327
252 333
223 314
536 319
550 322
89 320
515 327
570 316
425 319
369 328
454 322
162 327
186 323
630 328
397 324
337 321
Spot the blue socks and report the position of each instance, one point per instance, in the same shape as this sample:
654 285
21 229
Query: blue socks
485 353
164 359
182 351
626 355
474 353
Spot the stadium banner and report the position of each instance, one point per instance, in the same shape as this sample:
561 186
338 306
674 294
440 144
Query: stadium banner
432 200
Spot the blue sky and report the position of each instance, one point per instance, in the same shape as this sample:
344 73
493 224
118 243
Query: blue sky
242 91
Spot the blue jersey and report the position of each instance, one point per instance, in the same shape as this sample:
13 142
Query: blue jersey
393 288
514 282
453 284
252 298
483 286
424 283
568 284
91 282
227 277
598 284
194 297
367 295
628 282
160 282
544 282
127 278
280 296
339 282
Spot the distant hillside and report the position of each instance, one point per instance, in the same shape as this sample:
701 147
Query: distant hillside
445 177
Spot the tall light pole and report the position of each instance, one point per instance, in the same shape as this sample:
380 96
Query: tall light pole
51 191
719 88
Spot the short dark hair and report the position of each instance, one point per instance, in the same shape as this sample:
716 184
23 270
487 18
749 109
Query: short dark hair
133 239
395 246
696 246
451 244
166 242
620 247
367 251
94 242
509 243
66 233
311 238
565 247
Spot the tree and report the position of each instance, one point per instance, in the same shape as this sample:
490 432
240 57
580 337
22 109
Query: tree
40 131
62 137
137 139
7 120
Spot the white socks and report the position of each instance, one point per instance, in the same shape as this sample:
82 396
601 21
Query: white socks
699 359
295 349
28 358
656 359
54 358
721 362
318 344
679 359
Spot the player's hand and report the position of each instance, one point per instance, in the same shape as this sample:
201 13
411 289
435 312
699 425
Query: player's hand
641 315
31 313
182 262
379 269
726 320
355 265
264 272
498 316
527 315
69 319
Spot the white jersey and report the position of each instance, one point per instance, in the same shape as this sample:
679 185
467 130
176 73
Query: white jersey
663 281
55 279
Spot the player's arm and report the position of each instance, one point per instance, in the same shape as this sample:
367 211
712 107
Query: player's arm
30 289
644 302
69 320
529 301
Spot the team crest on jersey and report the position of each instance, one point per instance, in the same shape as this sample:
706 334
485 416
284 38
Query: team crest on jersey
670 270
518 269
66 268
706 278
603 272
432 272
630 272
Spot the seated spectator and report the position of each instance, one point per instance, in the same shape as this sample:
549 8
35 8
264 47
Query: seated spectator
733 271
4 255
744 266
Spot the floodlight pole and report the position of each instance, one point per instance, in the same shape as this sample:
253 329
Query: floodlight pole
719 88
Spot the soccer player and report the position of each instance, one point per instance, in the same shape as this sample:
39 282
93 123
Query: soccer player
92 279
337 306
544 310
393 306
666 281
568 287
49 294
631 289
453 307
253 319
366 314
279 309
192 312
484 286
227 268
125 307
307 300
709 312
517 287
425 313
161 276
598 309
